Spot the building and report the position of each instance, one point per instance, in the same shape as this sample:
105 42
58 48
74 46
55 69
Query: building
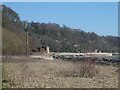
43 49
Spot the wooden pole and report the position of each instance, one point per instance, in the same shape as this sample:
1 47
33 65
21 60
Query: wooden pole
27 43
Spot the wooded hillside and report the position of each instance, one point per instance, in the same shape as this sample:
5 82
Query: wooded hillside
58 38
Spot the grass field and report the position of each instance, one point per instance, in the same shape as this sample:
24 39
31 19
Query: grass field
31 73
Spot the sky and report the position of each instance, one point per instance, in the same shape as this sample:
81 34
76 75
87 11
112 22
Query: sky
98 17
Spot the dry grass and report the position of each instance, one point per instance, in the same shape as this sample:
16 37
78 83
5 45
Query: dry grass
80 69
21 72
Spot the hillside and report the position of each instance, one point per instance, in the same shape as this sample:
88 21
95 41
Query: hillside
58 38
13 33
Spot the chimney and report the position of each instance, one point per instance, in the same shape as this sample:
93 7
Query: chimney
47 49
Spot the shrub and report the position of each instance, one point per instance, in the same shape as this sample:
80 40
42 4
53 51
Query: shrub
87 69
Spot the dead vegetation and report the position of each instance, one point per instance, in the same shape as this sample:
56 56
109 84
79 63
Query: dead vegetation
86 69
21 72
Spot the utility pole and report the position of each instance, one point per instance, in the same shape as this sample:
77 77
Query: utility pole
27 37
27 43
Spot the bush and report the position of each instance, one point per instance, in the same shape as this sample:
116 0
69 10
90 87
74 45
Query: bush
87 69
